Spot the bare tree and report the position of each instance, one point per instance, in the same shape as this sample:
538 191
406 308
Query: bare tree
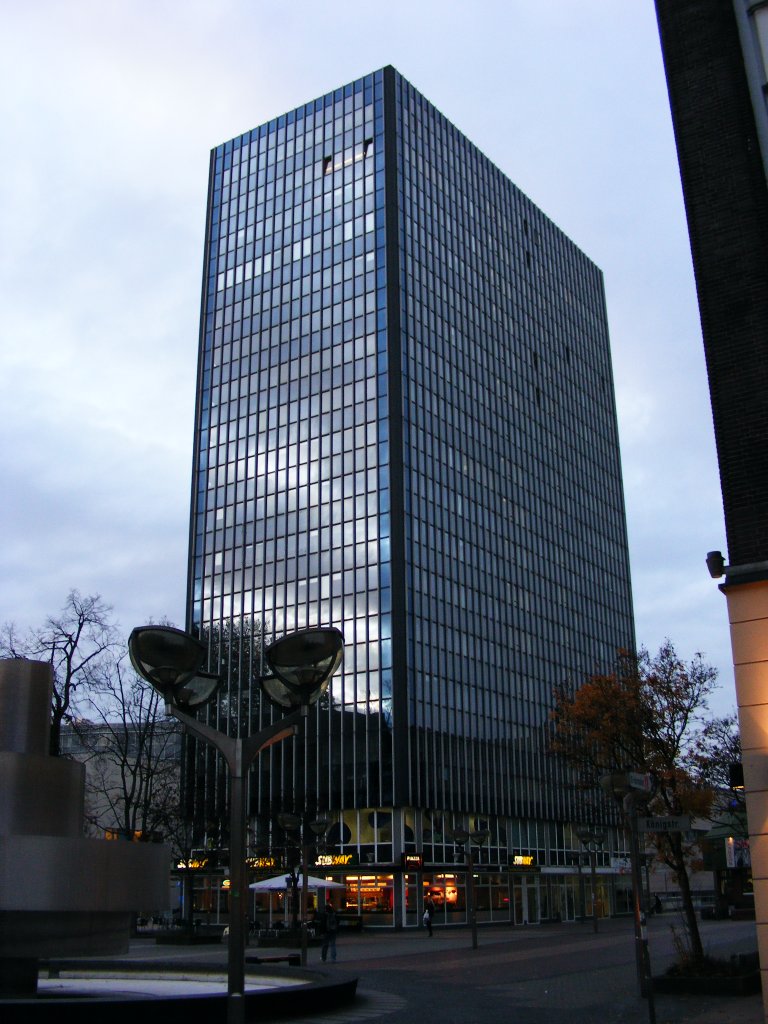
131 751
77 643
716 751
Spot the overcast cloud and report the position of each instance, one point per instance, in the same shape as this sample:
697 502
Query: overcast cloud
108 112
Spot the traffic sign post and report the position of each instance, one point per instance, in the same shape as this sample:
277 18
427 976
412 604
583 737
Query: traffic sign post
631 788
639 780
620 782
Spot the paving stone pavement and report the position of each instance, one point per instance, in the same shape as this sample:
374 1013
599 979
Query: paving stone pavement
550 974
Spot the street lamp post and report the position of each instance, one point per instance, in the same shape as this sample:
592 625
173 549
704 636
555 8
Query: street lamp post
592 840
582 891
302 664
465 841
319 826
293 864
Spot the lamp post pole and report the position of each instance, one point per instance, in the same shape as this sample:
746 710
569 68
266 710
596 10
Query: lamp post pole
465 839
582 892
592 840
239 753
319 826
291 823
593 882
471 895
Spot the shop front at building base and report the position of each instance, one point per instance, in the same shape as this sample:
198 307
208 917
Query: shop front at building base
396 899
382 896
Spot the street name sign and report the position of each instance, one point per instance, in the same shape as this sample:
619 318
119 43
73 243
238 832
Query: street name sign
680 823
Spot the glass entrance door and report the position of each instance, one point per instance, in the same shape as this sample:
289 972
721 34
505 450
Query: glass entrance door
565 899
525 899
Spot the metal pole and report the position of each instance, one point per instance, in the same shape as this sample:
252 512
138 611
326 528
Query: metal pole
237 879
629 810
304 857
593 873
642 958
471 894
295 899
239 753
582 892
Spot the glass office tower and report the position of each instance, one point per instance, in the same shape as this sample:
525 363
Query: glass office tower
405 428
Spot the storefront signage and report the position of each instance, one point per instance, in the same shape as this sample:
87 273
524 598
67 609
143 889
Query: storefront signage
523 862
334 860
412 861
267 863
194 863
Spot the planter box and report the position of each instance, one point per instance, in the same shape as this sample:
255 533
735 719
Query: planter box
284 938
201 935
714 985
351 922
185 939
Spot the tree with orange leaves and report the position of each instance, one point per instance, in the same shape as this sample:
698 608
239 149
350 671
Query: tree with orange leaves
644 717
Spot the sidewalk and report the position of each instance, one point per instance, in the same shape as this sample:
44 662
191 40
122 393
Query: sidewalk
720 938
541 974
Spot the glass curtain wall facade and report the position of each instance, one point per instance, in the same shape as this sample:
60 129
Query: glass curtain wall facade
405 428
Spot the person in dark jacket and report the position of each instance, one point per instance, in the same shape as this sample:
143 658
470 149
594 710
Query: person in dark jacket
330 928
429 913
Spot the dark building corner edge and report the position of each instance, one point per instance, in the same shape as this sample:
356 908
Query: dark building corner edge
190 582
397 517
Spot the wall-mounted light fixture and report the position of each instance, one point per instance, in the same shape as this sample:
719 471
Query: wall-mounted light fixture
717 568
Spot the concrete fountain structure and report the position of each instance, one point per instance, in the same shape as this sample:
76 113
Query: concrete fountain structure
61 894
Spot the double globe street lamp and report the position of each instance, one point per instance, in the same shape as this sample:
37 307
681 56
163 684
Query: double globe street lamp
303 825
301 665
592 840
465 841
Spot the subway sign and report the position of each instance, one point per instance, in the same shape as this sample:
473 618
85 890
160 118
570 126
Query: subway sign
335 860
523 862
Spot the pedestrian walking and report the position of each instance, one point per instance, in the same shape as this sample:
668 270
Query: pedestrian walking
429 913
330 928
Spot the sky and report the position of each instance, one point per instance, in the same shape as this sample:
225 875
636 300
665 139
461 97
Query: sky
108 113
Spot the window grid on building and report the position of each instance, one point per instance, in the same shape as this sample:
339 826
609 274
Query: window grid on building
461 521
